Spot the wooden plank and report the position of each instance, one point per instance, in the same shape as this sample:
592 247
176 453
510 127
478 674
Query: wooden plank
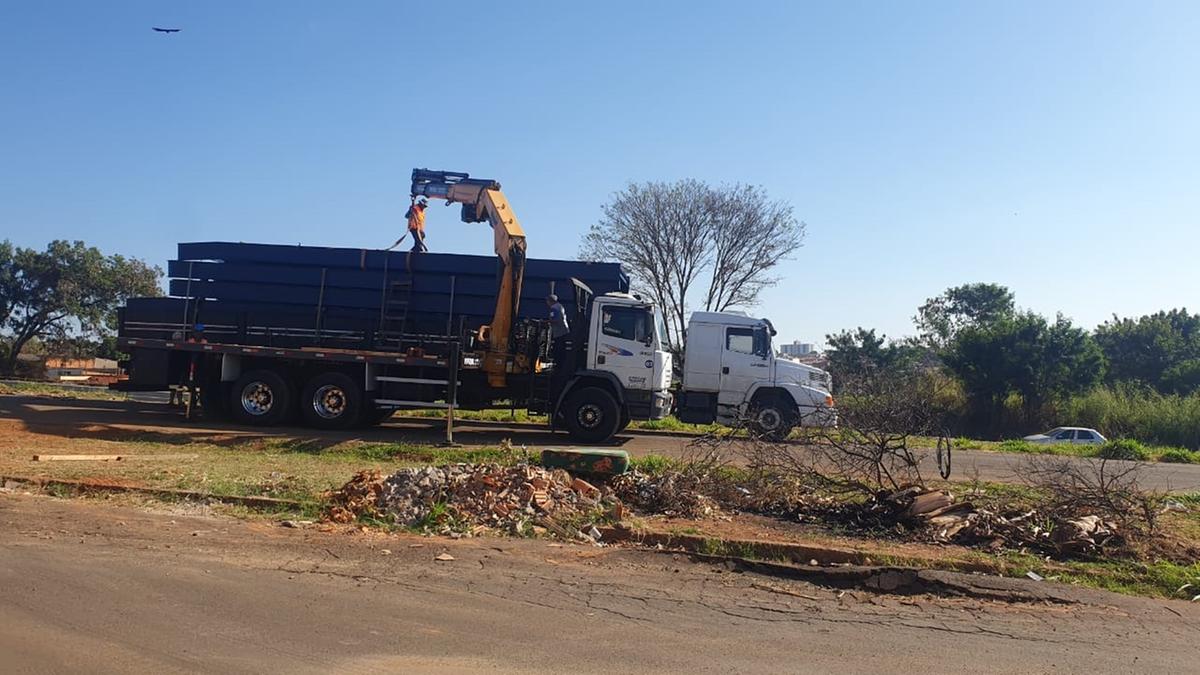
109 458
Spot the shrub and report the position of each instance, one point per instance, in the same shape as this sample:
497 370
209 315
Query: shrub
1124 448
1179 456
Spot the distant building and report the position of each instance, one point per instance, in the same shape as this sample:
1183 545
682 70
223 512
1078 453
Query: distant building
796 349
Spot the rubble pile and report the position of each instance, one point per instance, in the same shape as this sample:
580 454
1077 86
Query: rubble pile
464 497
940 517
358 497
670 493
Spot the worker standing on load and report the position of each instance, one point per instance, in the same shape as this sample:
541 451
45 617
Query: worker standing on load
416 226
559 330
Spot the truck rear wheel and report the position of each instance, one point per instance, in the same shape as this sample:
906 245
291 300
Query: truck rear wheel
592 415
331 401
772 419
261 397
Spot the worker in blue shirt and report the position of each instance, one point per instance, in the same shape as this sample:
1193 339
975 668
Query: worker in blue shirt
559 330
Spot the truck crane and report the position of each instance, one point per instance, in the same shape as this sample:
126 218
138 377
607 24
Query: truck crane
482 201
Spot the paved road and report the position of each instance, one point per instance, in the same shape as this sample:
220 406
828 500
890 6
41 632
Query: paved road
150 422
99 588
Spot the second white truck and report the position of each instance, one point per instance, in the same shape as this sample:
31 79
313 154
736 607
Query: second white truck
732 376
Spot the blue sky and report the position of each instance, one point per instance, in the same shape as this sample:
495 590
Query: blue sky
1051 147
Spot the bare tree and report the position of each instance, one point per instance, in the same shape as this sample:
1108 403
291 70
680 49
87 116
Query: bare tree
750 235
669 235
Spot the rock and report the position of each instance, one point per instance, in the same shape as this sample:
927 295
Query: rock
444 557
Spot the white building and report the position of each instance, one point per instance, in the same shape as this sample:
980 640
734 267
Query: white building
796 349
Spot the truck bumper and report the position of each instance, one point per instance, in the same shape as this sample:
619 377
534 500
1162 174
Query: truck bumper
648 405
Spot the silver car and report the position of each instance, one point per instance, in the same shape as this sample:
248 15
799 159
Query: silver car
1068 435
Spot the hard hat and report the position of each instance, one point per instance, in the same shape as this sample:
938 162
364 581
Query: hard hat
552 298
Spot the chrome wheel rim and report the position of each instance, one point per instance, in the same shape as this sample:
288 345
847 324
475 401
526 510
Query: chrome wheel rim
257 398
329 402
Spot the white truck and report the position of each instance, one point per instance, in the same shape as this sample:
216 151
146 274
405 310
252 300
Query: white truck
732 375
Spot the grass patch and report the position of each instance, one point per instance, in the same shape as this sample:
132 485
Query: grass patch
14 388
653 464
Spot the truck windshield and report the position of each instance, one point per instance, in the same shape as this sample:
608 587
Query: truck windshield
628 323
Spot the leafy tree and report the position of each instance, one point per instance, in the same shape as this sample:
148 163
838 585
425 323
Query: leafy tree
1023 354
688 240
68 289
1153 349
941 318
861 353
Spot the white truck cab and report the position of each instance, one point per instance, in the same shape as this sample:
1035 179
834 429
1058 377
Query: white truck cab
623 374
731 374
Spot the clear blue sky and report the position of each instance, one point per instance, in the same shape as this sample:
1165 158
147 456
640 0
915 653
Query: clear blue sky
1051 147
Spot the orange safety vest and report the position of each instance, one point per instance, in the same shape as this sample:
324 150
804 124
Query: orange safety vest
416 219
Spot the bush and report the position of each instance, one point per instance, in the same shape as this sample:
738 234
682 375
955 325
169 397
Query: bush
1137 412
1179 456
1125 448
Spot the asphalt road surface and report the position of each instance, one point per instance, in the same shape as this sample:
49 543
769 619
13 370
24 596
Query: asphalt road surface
151 421
93 587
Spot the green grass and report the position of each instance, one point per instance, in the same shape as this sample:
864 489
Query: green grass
653 464
56 391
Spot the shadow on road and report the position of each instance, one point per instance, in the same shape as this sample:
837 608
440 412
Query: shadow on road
157 423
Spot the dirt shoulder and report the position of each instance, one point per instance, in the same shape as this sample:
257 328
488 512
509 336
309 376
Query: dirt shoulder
172 590
131 421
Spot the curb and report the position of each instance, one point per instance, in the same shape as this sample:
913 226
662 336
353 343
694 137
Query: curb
904 580
761 551
536 426
87 486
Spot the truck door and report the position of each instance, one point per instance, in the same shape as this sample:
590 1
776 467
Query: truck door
624 344
742 365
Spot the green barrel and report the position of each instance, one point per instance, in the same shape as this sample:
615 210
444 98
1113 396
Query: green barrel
592 461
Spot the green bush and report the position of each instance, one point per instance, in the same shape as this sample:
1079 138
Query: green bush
1129 411
1124 448
1179 456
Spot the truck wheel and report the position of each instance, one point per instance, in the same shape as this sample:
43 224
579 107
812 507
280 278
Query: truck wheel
331 401
260 397
592 415
772 419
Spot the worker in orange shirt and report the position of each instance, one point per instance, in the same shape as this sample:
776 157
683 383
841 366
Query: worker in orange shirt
416 226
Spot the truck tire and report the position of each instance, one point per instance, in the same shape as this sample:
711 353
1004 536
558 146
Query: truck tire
592 415
331 400
261 398
772 418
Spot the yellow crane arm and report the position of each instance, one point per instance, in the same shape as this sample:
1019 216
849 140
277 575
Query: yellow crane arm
482 201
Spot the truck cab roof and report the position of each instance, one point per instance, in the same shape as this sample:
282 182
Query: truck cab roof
726 319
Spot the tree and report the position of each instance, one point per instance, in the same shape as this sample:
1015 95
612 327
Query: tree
688 240
861 352
68 289
969 305
1024 355
1154 350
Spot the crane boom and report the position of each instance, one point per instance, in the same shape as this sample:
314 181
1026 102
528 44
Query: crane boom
482 201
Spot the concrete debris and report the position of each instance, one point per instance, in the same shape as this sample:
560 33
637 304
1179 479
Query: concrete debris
467 498
670 493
